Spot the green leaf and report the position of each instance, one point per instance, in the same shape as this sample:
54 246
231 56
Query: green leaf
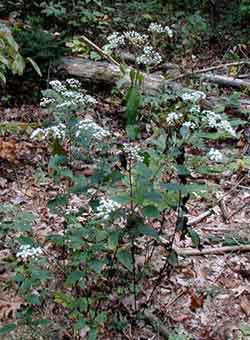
80 324
35 66
133 131
132 104
173 258
97 265
92 334
125 258
7 328
74 277
23 221
194 237
56 204
151 211
146 230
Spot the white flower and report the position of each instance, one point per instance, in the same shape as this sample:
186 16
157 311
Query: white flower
26 251
215 155
57 86
149 57
158 28
136 38
45 101
89 126
215 121
38 134
56 132
195 109
189 125
106 207
133 153
173 118
73 83
115 40
193 96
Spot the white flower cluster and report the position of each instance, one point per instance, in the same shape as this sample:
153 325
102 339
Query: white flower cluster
45 101
26 251
189 125
87 125
215 121
73 83
106 207
195 109
193 96
115 40
55 132
149 57
158 28
136 38
133 152
70 93
173 118
57 86
215 155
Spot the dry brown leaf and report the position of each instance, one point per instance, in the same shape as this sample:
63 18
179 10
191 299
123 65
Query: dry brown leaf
197 301
9 307
245 305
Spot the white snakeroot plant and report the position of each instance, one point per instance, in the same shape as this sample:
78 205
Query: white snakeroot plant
189 125
26 251
195 109
133 153
193 97
106 207
158 28
115 41
215 121
135 38
173 118
215 155
149 57
55 132
88 126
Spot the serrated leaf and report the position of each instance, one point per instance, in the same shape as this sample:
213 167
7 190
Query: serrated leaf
151 211
125 258
146 230
73 277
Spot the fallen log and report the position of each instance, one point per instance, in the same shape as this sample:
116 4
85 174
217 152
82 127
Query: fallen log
103 72
226 81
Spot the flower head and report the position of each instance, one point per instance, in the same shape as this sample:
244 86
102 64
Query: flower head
26 251
106 207
173 118
149 57
215 155
88 126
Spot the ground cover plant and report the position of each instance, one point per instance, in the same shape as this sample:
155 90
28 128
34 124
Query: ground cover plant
121 211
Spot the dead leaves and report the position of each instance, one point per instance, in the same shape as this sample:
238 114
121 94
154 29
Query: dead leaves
9 307
14 152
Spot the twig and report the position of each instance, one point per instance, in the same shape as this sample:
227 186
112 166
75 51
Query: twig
208 69
239 209
157 324
99 51
213 251
201 217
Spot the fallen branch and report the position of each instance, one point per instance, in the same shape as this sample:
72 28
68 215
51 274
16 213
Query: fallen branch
208 69
226 81
99 51
213 251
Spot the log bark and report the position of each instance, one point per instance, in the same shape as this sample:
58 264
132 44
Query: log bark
106 73
226 81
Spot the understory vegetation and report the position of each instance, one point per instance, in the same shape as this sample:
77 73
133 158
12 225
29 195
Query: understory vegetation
124 204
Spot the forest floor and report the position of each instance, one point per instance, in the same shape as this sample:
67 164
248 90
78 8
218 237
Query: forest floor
208 296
